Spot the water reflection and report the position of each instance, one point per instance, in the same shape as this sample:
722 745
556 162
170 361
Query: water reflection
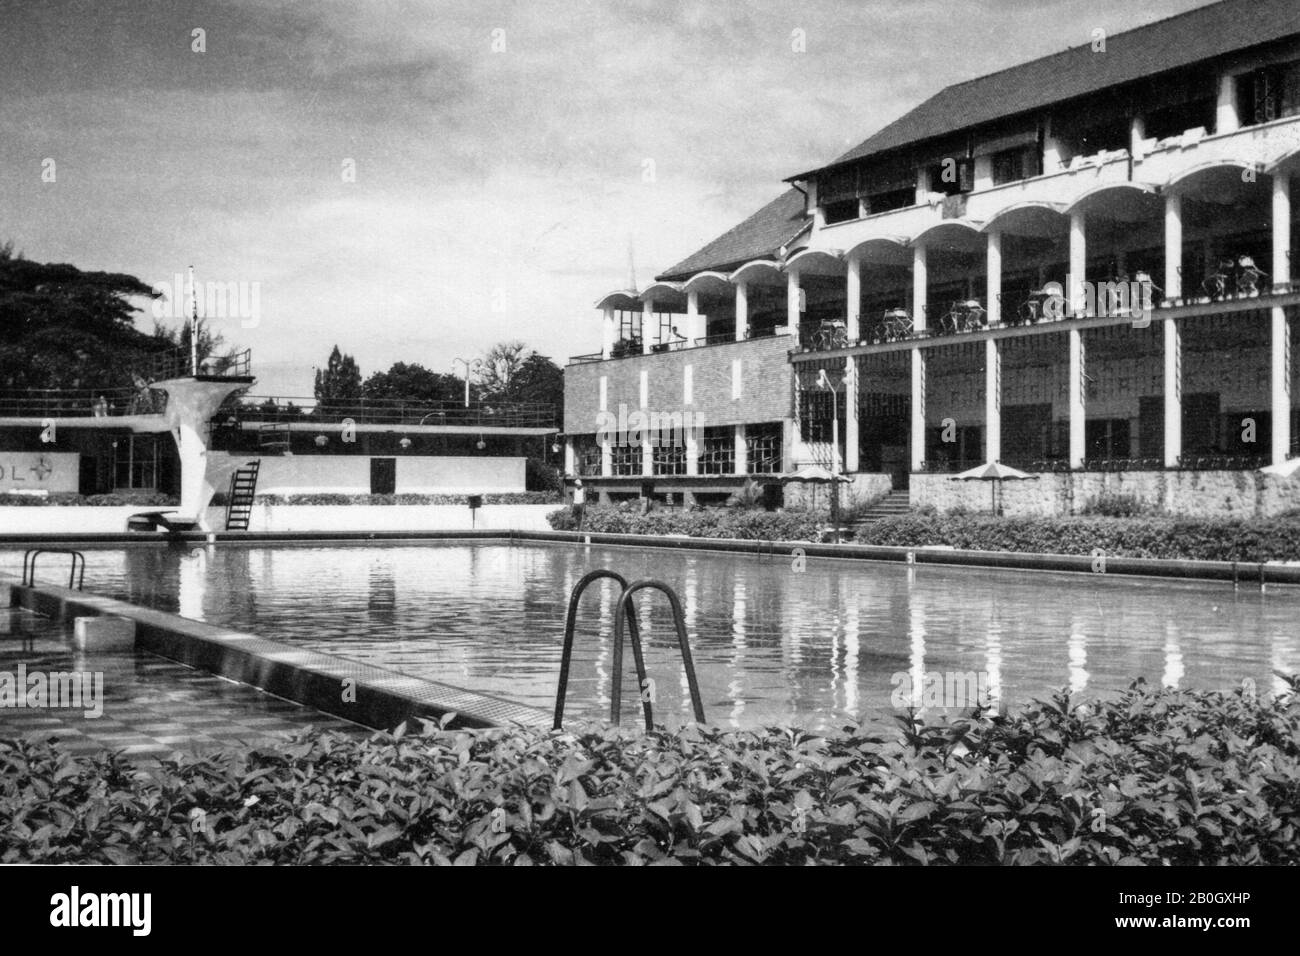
772 645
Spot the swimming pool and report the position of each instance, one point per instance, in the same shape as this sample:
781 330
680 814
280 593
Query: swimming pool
772 644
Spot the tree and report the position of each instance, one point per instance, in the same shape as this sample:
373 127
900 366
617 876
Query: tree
538 380
339 385
512 372
410 382
61 327
500 365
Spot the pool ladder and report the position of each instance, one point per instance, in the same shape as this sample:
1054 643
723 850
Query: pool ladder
76 569
625 610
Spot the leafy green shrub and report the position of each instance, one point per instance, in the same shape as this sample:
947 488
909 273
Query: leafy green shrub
69 499
1201 539
1151 777
744 523
748 495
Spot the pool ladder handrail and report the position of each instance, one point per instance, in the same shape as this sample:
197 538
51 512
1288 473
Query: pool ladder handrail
626 609
78 563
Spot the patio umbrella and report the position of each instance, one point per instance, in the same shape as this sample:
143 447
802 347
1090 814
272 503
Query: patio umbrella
996 472
817 475
1287 469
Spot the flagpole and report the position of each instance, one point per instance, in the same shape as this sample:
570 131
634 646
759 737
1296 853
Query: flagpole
194 327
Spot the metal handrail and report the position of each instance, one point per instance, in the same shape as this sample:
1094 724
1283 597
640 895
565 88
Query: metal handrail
285 411
570 624
679 622
78 560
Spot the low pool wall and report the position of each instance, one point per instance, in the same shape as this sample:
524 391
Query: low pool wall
361 693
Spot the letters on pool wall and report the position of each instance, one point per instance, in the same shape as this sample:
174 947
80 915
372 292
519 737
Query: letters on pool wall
33 471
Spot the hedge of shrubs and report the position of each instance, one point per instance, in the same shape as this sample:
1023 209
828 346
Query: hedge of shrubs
1274 539
72 499
507 498
1152 777
746 523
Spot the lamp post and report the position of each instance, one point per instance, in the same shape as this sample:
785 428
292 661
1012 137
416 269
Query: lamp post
470 366
825 382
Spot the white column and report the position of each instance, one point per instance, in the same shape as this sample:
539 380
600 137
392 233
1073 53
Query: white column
992 400
920 282
994 269
792 310
647 323
1078 262
918 408
693 318
570 458
1137 132
1281 227
741 451
1173 246
742 311
853 299
606 459
692 450
1173 356
647 458
1078 399
1226 119
851 463
919 285
607 333
1280 331
1053 162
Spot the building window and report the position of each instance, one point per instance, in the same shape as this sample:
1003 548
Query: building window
763 449
1013 165
952 176
718 452
841 211
890 200
625 459
586 455
669 459
1269 93
1173 121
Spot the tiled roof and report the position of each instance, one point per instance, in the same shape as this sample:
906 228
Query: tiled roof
758 237
1179 41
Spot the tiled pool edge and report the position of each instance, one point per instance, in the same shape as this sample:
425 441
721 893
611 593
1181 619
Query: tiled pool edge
382 698
1245 572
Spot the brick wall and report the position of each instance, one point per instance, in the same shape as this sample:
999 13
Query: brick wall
766 395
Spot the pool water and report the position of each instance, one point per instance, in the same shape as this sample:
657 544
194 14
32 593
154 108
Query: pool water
773 642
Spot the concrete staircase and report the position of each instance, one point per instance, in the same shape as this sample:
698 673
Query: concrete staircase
894 503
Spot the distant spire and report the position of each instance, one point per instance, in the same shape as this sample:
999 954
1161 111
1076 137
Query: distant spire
631 265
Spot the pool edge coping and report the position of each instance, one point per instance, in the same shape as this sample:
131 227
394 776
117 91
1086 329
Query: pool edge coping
383 698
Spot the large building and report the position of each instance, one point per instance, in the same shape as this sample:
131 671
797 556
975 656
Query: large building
1080 266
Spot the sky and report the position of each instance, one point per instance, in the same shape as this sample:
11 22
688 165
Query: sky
416 181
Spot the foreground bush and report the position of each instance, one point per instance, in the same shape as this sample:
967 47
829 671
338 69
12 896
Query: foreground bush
1150 777
743 523
72 499
1275 539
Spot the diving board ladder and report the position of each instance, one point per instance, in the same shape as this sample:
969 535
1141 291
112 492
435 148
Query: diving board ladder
239 502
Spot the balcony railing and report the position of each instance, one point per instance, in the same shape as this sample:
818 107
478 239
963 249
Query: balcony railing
392 412
957 319
629 350
177 363
80 402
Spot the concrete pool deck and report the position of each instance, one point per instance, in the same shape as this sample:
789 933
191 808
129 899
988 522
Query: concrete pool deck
361 693
1243 572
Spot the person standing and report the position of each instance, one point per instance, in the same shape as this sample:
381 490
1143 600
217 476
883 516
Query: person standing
579 502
